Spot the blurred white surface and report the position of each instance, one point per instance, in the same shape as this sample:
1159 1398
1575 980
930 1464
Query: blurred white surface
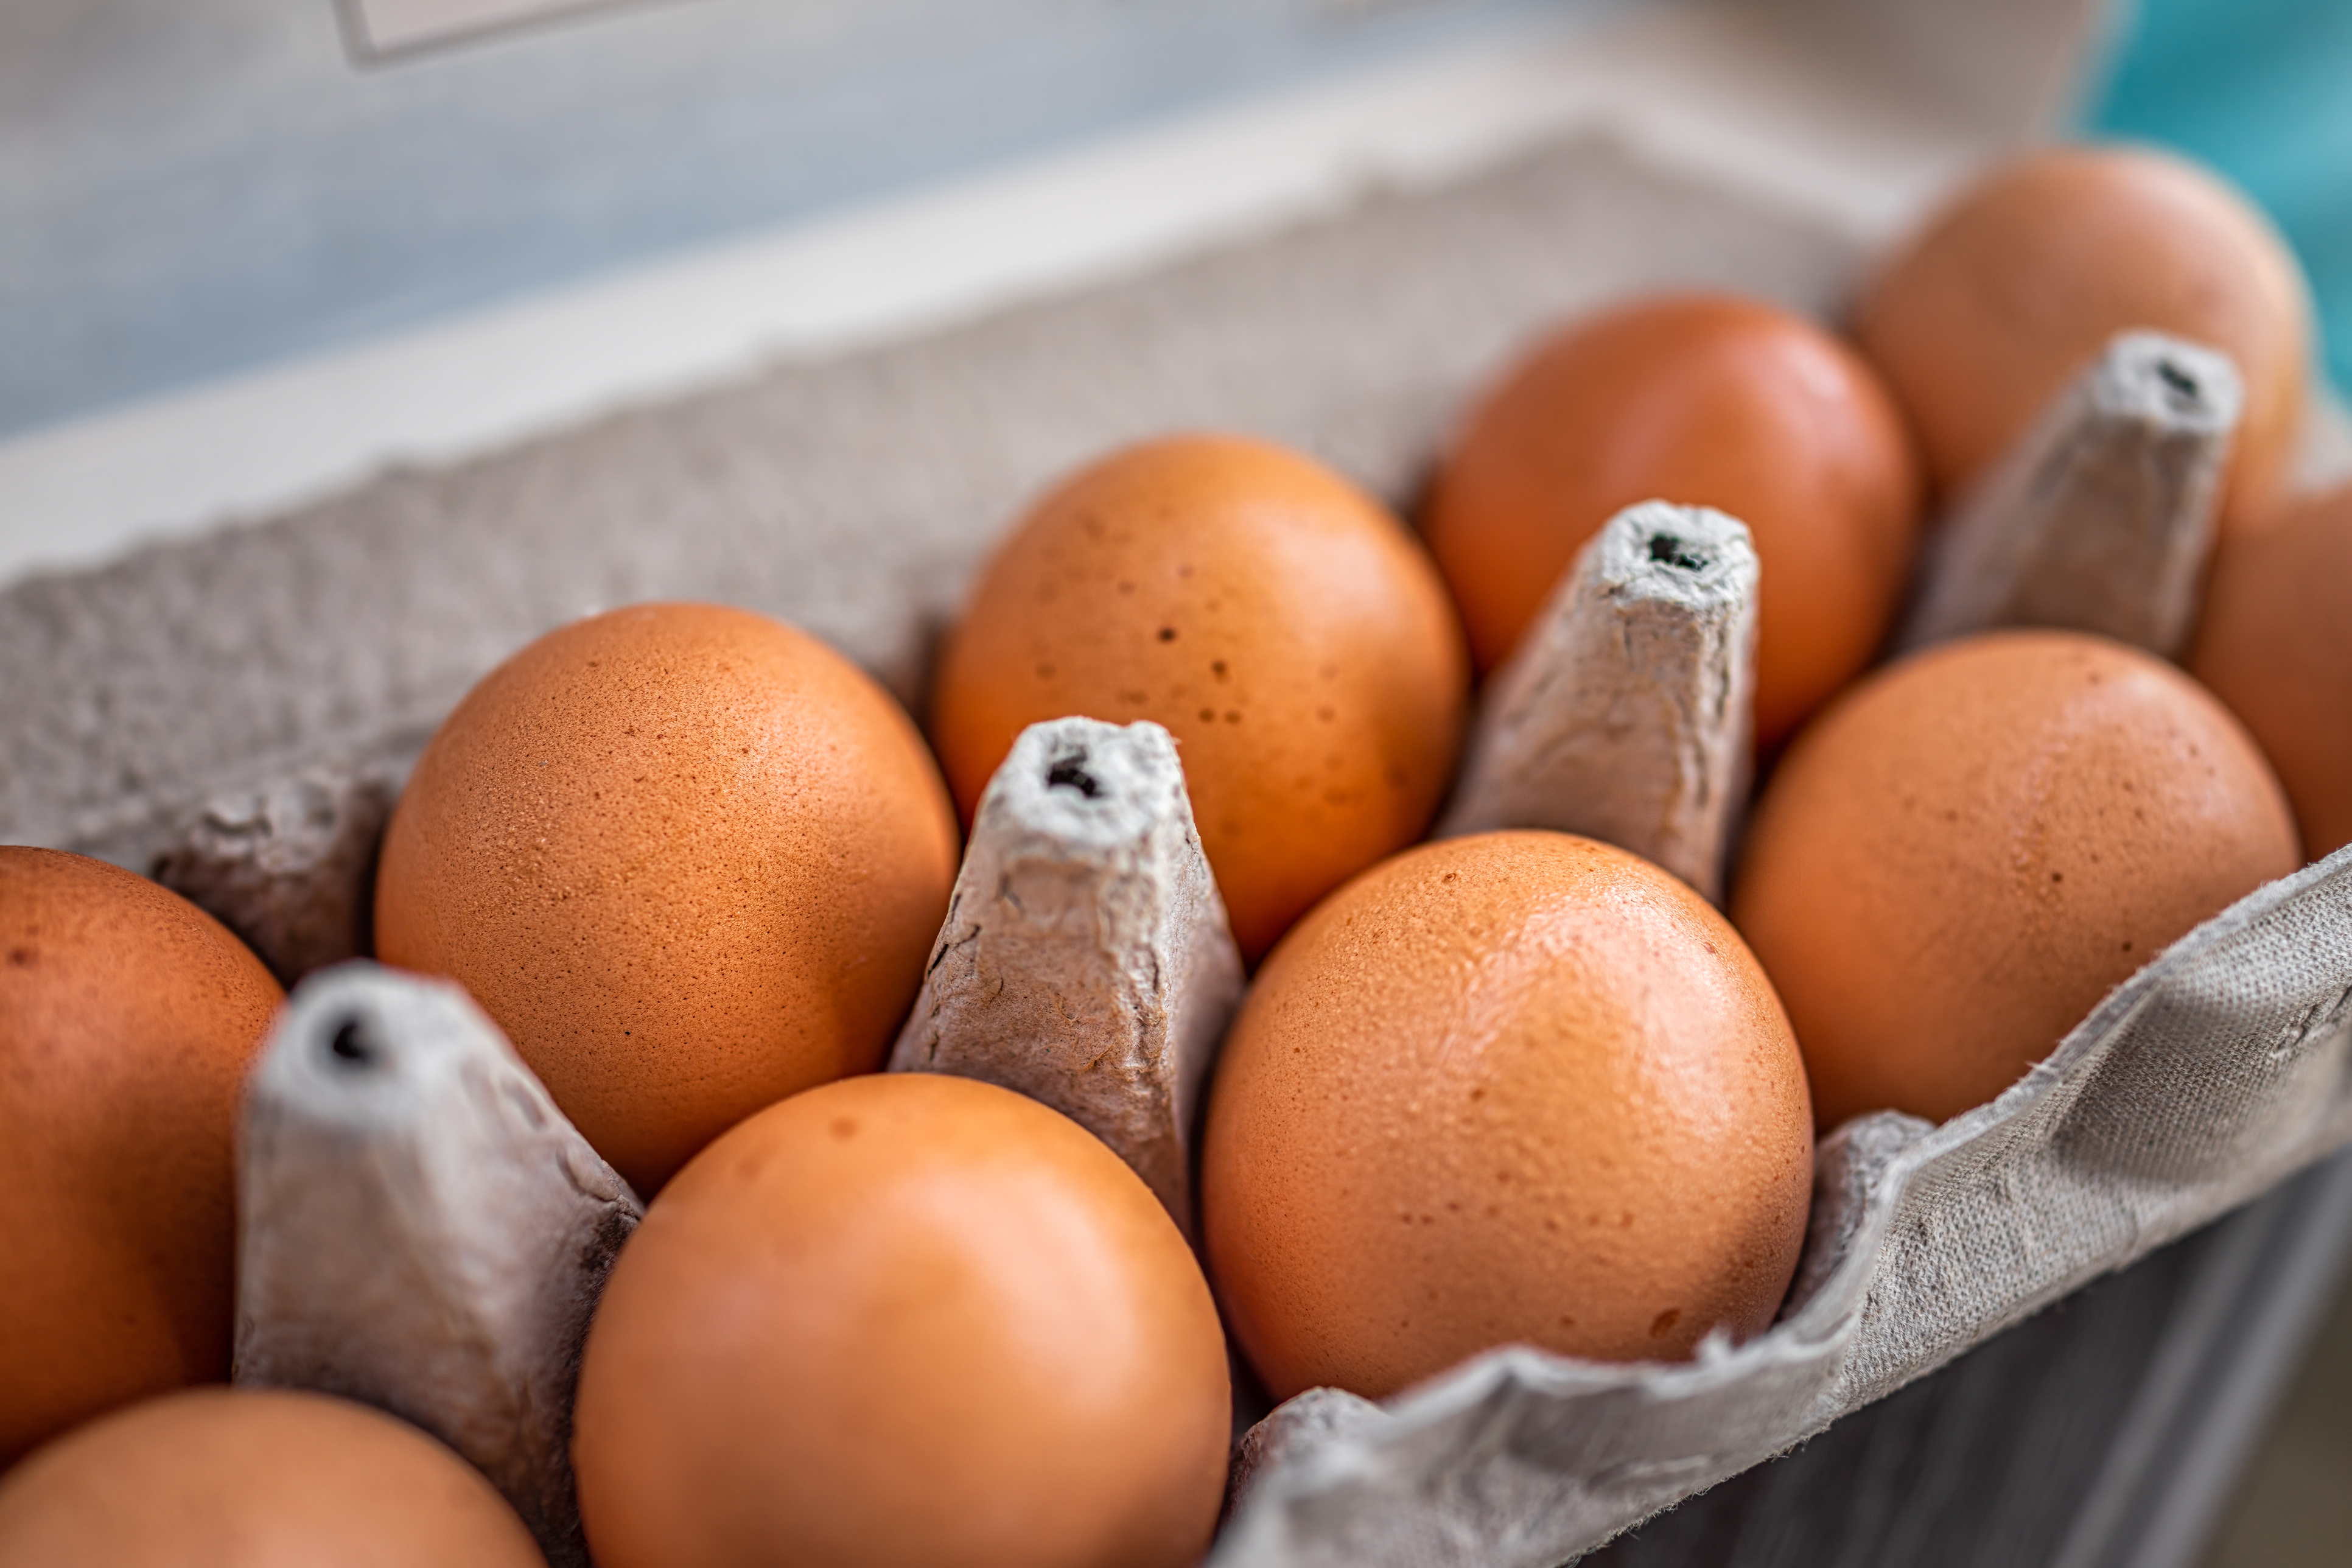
193 188
1735 94
386 26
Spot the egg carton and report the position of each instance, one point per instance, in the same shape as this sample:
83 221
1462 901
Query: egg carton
2222 1066
400 1171
237 710
1085 961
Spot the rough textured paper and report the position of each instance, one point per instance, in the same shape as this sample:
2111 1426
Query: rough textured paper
1085 960
852 496
289 866
420 1230
2218 1068
2101 517
1625 712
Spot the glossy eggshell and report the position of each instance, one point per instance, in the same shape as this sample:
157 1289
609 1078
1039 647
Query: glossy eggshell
1699 399
2275 645
1959 857
904 1319
1289 632
128 1018
1519 1088
255 1478
2017 283
689 859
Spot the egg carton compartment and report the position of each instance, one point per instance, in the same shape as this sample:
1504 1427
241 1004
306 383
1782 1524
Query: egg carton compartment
236 713
2219 1069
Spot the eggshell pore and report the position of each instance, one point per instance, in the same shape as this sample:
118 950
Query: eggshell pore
1704 400
1285 628
128 1018
689 859
1959 857
2014 286
1519 1088
2275 645
257 1478
904 1319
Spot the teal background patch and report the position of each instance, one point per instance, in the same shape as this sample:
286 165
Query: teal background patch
2261 89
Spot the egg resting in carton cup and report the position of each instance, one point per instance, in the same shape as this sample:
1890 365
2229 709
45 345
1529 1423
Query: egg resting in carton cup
2217 1070
255 1476
2271 644
1925 1240
1084 960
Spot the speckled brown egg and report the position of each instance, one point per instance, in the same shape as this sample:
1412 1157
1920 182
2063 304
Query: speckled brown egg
2275 645
128 1018
1289 632
1960 856
688 858
256 1479
904 1321
1700 399
2013 287
1520 1087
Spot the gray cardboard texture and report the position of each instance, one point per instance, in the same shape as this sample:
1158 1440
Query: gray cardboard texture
1625 714
421 1229
851 496
290 866
1085 959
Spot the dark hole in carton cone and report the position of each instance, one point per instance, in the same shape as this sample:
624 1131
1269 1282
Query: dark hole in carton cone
1668 550
1070 772
353 1047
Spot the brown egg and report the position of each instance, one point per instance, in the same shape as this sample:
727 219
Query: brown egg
1287 631
244 1478
2276 645
904 1319
689 859
1959 857
1700 399
128 1018
2015 285
1519 1088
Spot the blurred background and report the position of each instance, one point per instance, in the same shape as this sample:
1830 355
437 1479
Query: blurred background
193 188
196 191
190 187
2258 89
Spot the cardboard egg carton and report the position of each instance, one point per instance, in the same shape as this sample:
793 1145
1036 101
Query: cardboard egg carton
2222 1066
236 709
